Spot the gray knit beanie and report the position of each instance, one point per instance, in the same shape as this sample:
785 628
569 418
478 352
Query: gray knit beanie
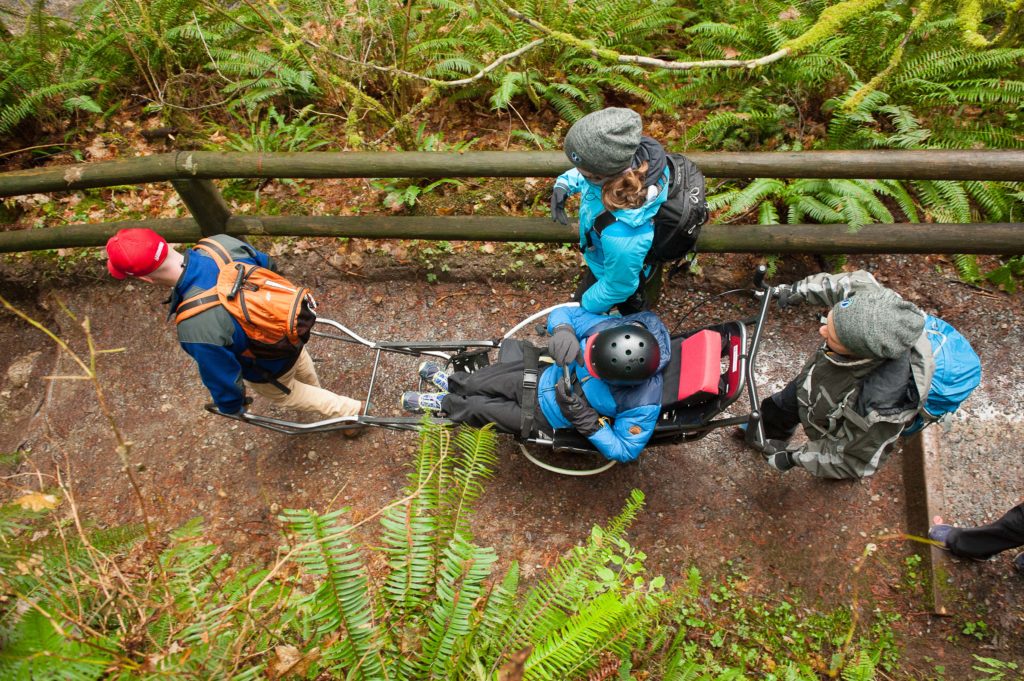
603 142
879 324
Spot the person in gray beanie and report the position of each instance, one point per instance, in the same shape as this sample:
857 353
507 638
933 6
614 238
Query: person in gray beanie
860 390
879 324
622 178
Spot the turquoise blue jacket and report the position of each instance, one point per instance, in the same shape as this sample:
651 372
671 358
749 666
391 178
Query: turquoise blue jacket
632 409
616 256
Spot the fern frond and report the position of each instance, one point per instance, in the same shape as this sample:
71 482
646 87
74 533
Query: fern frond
342 601
461 578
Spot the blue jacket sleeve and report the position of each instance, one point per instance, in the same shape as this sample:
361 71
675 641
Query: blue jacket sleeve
619 442
580 320
221 374
571 180
625 249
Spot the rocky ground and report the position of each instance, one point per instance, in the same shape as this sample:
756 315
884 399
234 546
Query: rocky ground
710 503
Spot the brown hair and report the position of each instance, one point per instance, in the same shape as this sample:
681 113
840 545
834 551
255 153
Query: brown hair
625 190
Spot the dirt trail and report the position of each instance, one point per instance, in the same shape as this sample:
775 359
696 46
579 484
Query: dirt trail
709 503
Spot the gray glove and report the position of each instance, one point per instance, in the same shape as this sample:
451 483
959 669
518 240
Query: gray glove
558 205
575 408
564 347
784 294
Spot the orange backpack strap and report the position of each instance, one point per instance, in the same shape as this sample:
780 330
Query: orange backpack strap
200 302
214 250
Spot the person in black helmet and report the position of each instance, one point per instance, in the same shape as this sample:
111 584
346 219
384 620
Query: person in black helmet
616 366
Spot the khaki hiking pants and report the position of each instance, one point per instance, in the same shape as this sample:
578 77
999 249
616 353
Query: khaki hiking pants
306 393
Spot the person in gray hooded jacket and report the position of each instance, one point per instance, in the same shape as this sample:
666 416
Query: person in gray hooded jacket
860 390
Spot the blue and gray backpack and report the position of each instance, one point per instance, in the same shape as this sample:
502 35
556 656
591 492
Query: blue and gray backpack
957 374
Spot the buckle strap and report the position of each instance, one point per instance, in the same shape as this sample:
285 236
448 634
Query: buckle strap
531 364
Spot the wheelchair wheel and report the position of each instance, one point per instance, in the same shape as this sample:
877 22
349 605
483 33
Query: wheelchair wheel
566 463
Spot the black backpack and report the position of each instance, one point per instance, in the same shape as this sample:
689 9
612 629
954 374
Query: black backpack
678 221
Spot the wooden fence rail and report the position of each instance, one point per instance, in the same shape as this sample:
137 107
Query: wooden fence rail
183 165
1000 238
191 173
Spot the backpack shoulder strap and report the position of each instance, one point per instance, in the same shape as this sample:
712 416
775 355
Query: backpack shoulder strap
603 221
214 250
675 178
200 302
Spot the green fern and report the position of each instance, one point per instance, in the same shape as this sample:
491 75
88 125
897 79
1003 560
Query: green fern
342 602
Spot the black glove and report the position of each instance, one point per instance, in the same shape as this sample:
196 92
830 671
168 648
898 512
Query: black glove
564 347
771 447
784 293
781 461
777 456
558 205
575 408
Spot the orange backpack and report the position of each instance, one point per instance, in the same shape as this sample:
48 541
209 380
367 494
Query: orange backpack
275 314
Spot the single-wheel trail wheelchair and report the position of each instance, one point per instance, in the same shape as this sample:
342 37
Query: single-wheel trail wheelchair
710 369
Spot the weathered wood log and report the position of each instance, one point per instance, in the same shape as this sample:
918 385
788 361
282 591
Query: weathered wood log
205 203
998 238
924 165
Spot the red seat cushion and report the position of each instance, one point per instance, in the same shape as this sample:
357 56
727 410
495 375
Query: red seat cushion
700 366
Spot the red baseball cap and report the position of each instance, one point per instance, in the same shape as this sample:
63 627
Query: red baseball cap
135 252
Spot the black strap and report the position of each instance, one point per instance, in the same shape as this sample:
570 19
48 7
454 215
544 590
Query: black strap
531 363
272 380
196 302
601 223
605 218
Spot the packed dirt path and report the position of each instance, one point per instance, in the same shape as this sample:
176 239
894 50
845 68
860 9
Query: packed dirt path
711 503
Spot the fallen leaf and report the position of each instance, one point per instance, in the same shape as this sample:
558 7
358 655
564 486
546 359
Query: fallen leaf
37 501
290 660
789 14
730 52
98 149
514 668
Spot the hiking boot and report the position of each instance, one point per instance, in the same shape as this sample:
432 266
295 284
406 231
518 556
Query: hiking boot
422 403
1018 563
434 374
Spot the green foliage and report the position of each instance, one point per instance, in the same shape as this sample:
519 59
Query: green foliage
993 669
1007 275
272 131
433 608
405 192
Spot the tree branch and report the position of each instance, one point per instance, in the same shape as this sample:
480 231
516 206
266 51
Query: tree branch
612 55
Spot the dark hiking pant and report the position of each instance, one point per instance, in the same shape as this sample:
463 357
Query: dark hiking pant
988 540
781 413
637 301
493 394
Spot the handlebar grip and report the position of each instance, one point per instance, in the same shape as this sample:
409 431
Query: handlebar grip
239 280
759 275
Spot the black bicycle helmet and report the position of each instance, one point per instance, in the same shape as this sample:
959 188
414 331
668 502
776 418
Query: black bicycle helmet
626 353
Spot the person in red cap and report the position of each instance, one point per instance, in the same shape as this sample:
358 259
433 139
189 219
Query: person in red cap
213 338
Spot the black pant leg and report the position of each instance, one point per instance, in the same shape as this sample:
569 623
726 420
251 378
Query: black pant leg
988 540
636 302
781 413
493 394
478 411
503 379
587 279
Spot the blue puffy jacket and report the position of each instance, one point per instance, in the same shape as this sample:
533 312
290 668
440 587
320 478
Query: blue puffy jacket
213 338
632 408
616 256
